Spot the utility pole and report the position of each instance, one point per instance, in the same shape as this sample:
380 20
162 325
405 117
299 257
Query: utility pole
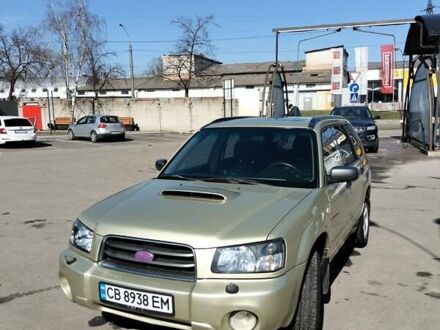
429 10
130 52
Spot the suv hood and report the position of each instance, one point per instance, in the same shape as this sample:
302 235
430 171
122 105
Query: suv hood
361 122
199 214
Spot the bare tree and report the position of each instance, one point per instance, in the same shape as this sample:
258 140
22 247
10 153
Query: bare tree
21 56
75 29
100 71
154 68
194 41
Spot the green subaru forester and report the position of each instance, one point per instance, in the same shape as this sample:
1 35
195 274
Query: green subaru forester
238 230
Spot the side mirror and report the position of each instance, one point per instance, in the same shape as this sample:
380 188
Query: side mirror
376 117
343 174
160 163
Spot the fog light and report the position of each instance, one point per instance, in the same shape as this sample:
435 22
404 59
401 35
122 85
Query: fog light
242 320
371 137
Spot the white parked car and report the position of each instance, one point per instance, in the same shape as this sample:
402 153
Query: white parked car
17 129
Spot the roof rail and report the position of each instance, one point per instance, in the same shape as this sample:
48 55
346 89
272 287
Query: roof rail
316 120
220 120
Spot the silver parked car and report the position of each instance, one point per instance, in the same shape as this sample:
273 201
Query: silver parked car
96 128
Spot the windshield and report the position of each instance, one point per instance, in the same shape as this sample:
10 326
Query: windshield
248 155
352 112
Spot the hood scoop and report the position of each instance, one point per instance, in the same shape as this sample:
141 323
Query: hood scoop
199 193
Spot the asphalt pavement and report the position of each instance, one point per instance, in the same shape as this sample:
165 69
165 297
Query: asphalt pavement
393 283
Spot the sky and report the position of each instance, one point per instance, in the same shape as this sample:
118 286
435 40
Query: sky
243 30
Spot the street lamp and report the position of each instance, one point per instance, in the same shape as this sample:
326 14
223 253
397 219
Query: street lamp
297 59
394 46
130 52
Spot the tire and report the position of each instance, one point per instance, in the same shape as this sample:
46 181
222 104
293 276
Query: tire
94 137
70 135
375 149
310 311
363 228
122 137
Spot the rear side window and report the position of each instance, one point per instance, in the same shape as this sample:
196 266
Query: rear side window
345 146
355 141
330 149
17 122
110 119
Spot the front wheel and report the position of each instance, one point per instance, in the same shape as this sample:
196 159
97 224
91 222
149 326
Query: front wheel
310 311
363 227
93 137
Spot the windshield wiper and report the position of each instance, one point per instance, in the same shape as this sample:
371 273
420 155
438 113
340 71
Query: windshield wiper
174 177
230 180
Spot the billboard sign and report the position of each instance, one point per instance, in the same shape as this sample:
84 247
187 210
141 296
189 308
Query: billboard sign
337 70
388 67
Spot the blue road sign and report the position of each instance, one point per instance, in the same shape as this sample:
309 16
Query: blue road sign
354 98
354 88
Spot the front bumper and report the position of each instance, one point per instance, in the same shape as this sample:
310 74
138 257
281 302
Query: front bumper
369 139
200 305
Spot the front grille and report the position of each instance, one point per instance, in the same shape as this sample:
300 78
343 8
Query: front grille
173 261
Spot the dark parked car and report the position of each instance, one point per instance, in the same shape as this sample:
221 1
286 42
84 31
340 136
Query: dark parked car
363 122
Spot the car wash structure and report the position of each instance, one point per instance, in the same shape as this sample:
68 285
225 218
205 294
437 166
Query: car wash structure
421 114
421 120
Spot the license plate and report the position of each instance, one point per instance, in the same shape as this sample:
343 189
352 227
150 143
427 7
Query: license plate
136 299
20 132
115 132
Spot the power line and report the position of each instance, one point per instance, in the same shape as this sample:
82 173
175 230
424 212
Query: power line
212 39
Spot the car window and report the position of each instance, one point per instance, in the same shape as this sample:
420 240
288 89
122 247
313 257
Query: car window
17 122
274 156
330 149
357 144
91 120
346 148
109 119
204 147
82 120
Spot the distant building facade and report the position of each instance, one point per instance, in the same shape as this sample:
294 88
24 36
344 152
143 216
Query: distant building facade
309 83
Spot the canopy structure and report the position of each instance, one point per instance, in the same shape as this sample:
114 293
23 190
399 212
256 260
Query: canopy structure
421 120
423 35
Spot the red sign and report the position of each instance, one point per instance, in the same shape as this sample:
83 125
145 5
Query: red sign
387 69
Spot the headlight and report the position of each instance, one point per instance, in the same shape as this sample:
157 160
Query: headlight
250 258
81 237
371 128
